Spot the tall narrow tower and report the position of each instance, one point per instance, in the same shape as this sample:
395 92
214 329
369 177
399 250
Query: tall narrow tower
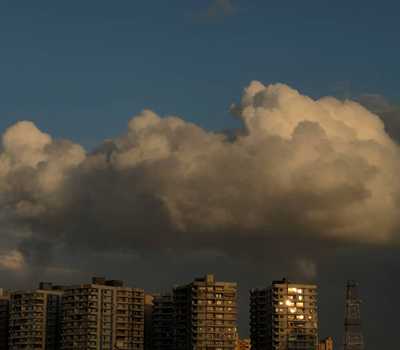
353 338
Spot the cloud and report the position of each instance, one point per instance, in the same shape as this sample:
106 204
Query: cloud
301 169
389 112
13 260
219 8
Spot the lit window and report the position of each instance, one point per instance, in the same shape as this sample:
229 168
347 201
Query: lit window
289 303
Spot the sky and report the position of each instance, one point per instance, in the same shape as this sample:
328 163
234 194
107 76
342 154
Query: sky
83 61
102 180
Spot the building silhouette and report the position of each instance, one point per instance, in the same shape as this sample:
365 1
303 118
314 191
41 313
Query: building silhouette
163 323
4 316
284 316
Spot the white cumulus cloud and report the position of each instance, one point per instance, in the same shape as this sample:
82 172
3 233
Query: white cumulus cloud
303 168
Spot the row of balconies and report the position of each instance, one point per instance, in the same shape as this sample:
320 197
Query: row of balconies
229 332
23 334
26 340
103 337
105 291
212 309
213 343
214 297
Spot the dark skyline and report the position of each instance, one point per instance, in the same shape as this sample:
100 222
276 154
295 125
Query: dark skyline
232 163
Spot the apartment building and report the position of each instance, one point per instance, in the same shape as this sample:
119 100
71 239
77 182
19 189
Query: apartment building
103 315
242 344
326 344
205 315
4 314
284 317
34 321
148 322
163 320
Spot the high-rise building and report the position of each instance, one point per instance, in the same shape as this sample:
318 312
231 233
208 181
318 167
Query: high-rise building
4 315
205 315
326 344
243 344
284 317
35 318
103 315
163 316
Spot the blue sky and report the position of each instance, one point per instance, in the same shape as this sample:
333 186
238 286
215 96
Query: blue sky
81 69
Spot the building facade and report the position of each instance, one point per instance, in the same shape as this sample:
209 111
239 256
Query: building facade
103 315
4 315
34 321
205 315
243 344
163 320
326 344
284 317
148 321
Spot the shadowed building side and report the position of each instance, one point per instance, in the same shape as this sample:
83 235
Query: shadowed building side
163 318
4 316
148 321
